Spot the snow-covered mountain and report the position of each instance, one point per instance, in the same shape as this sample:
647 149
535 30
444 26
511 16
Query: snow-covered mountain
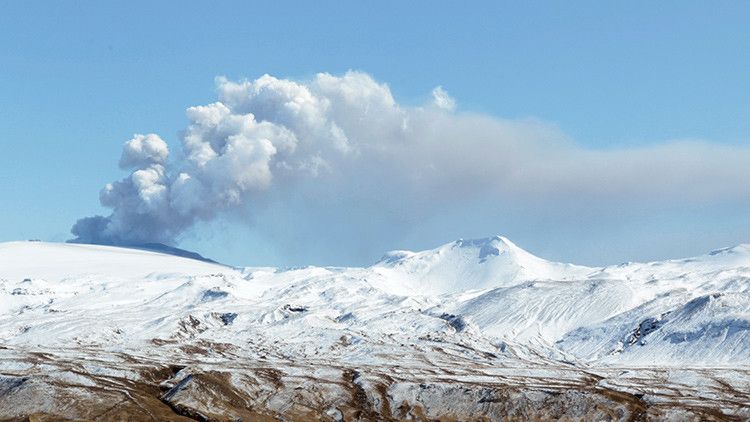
477 313
466 265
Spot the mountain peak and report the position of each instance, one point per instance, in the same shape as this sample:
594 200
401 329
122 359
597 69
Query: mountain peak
497 239
743 248
467 264
488 247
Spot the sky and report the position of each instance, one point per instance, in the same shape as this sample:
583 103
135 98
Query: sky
588 132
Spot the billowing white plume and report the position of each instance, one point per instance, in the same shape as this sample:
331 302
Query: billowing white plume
338 143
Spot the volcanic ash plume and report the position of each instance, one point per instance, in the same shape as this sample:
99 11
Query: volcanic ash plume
340 149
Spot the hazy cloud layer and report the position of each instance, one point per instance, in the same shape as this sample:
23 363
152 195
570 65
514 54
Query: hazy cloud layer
342 146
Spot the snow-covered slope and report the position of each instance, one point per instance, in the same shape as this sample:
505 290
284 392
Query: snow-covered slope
57 261
488 290
485 302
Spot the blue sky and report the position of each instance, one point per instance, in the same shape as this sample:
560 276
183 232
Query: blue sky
80 78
